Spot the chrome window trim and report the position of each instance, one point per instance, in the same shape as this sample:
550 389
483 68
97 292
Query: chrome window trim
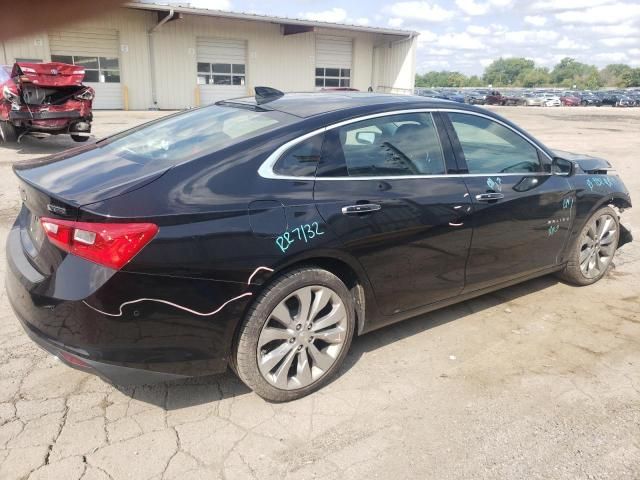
266 169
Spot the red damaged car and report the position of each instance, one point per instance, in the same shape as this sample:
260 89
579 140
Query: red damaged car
42 99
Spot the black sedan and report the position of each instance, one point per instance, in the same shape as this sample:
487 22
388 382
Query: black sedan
265 232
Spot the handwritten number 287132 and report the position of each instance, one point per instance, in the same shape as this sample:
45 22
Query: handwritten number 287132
302 233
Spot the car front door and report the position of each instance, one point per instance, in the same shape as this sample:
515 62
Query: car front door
522 213
382 188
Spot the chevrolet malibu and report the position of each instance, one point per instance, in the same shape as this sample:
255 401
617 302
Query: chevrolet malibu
263 233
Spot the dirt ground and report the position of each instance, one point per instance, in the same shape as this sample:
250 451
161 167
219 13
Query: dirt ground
537 381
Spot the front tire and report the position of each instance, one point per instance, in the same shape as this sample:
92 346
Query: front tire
296 335
593 250
79 138
8 133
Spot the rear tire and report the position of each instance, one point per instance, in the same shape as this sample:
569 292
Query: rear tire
79 138
283 353
8 133
592 251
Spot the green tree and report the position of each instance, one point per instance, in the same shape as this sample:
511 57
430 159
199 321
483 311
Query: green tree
505 71
536 77
570 72
631 78
612 75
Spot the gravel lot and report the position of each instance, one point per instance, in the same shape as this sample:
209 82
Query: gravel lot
541 380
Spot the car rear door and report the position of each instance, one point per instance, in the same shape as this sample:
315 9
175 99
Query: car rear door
382 188
522 213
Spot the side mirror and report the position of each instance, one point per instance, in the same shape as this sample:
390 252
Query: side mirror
560 166
366 138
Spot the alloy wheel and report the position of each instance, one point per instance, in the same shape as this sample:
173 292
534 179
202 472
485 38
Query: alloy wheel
597 246
302 337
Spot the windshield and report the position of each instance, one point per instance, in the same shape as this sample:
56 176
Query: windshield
192 134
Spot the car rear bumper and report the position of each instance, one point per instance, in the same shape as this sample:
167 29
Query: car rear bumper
117 374
80 315
47 115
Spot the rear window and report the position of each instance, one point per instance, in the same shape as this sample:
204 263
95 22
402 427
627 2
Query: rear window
192 134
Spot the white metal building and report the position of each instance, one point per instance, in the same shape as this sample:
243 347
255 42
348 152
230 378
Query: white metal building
161 56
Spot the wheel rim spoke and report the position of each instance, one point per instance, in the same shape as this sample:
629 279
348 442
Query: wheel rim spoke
320 359
281 375
333 335
337 315
274 357
301 353
304 298
585 254
321 298
272 334
282 314
303 370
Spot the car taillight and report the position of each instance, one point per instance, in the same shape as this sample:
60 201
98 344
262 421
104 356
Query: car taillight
85 95
110 244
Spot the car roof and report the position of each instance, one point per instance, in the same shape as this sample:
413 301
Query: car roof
310 104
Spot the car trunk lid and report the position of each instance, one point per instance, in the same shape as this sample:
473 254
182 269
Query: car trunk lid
52 74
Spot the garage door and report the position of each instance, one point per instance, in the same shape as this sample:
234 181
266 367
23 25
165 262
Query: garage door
221 69
334 56
98 53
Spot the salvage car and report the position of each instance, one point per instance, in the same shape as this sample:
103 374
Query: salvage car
263 233
42 99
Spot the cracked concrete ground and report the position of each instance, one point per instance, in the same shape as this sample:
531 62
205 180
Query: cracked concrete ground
540 380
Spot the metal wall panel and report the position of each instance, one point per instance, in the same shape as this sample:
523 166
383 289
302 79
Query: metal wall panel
335 52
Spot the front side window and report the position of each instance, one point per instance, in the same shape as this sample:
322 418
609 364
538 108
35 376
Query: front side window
96 69
333 77
489 147
405 144
221 73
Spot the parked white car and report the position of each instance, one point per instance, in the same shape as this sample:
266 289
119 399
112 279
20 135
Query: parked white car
552 101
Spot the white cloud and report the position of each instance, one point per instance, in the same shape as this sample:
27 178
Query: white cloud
626 29
536 20
334 15
460 41
360 21
530 37
424 11
566 43
612 57
558 6
471 7
485 62
427 36
602 15
395 22
211 4
620 41
478 30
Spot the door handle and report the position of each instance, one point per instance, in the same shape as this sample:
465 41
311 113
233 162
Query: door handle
487 197
360 208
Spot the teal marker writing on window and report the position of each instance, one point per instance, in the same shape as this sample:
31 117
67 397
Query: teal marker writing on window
301 233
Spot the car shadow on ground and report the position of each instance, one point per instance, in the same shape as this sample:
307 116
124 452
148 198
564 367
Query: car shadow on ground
200 390
36 146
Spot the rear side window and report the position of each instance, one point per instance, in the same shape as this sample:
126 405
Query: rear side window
302 159
489 147
394 145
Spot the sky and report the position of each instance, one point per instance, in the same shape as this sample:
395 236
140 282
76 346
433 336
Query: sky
466 35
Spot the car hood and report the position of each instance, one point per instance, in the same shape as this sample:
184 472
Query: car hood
52 74
587 163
